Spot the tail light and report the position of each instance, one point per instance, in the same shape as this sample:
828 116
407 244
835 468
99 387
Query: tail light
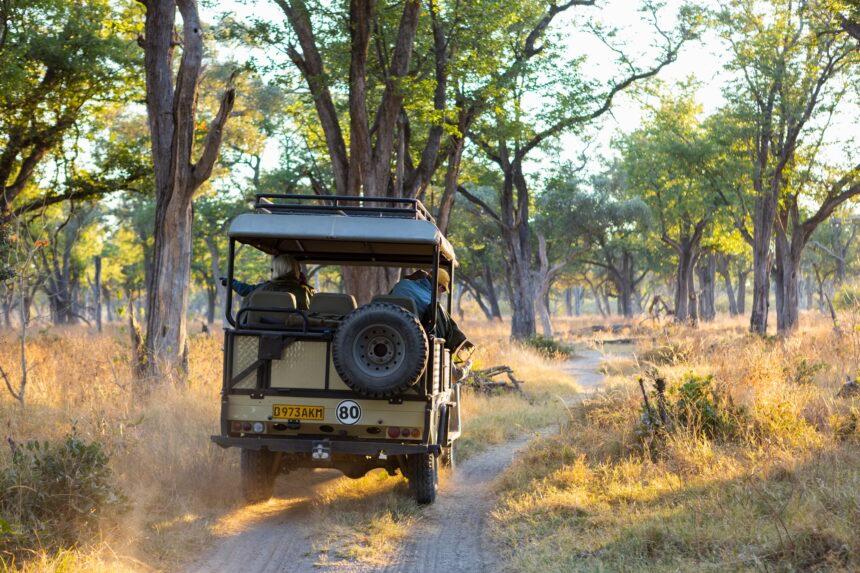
393 432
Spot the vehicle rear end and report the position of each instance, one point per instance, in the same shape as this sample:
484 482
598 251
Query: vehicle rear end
337 385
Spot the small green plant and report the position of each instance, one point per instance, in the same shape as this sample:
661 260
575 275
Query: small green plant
848 297
804 371
55 495
696 405
703 408
549 347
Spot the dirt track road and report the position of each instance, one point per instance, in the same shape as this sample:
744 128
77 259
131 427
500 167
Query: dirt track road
451 536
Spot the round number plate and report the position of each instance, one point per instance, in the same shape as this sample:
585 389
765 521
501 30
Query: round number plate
348 412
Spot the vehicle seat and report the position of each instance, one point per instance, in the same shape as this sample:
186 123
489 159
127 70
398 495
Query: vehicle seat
332 304
403 301
262 298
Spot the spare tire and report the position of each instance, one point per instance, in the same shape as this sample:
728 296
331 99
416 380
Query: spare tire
380 350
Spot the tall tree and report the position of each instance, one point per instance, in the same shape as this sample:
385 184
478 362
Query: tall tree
664 161
172 112
792 71
511 131
613 226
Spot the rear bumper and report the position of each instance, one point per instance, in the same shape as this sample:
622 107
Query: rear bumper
307 445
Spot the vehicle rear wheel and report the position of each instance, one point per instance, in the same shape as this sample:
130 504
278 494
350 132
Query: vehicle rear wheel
259 470
423 477
380 350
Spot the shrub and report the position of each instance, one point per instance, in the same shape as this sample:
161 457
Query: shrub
803 371
55 494
848 297
697 405
549 347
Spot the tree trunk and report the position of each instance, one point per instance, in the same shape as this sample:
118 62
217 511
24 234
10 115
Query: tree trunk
366 282
108 305
172 126
706 270
211 303
517 238
579 295
461 291
166 336
568 301
788 253
723 270
597 300
742 291
491 294
97 291
685 292
763 220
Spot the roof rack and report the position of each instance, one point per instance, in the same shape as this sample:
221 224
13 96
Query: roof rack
361 206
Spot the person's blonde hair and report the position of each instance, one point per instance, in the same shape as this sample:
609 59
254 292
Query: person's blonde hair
283 265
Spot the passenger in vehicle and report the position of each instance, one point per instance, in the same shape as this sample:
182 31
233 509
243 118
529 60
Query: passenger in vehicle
286 277
419 288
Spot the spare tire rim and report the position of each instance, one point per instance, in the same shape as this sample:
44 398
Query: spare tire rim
378 350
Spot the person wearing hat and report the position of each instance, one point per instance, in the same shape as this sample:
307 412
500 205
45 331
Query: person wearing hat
286 277
418 287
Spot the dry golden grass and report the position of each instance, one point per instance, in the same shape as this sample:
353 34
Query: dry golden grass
183 489
159 444
780 494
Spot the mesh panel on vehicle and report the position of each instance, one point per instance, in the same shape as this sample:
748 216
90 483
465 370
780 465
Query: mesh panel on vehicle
301 366
245 351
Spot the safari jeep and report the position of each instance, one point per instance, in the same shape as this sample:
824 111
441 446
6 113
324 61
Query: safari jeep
339 386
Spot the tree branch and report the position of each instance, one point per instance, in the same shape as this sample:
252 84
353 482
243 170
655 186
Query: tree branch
203 168
480 203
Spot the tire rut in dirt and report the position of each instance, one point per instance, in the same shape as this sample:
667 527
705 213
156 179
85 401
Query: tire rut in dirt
453 534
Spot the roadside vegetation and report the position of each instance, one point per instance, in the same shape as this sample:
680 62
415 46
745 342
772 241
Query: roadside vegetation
748 460
137 458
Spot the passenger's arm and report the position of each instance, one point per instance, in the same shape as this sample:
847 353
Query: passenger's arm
243 289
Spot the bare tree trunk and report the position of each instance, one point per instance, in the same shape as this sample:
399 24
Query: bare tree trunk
765 211
579 295
597 299
172 125
461 291
97 291
211 303
723 265
491 293
108 296
706 271
742 291
788 252
685 293
568 301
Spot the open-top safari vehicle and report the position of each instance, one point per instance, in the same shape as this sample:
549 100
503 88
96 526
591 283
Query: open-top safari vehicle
338 386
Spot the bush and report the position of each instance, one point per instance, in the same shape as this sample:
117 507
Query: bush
848 297
549 347
697 405
54 495
702 408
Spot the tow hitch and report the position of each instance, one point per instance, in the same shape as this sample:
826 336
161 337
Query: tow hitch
321 450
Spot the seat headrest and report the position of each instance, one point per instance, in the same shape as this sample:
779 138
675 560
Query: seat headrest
403 301
332 303
262 298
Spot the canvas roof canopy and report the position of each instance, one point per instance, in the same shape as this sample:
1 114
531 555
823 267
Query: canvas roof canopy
333 238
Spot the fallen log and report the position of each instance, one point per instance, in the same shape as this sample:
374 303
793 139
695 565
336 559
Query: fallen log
483 380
